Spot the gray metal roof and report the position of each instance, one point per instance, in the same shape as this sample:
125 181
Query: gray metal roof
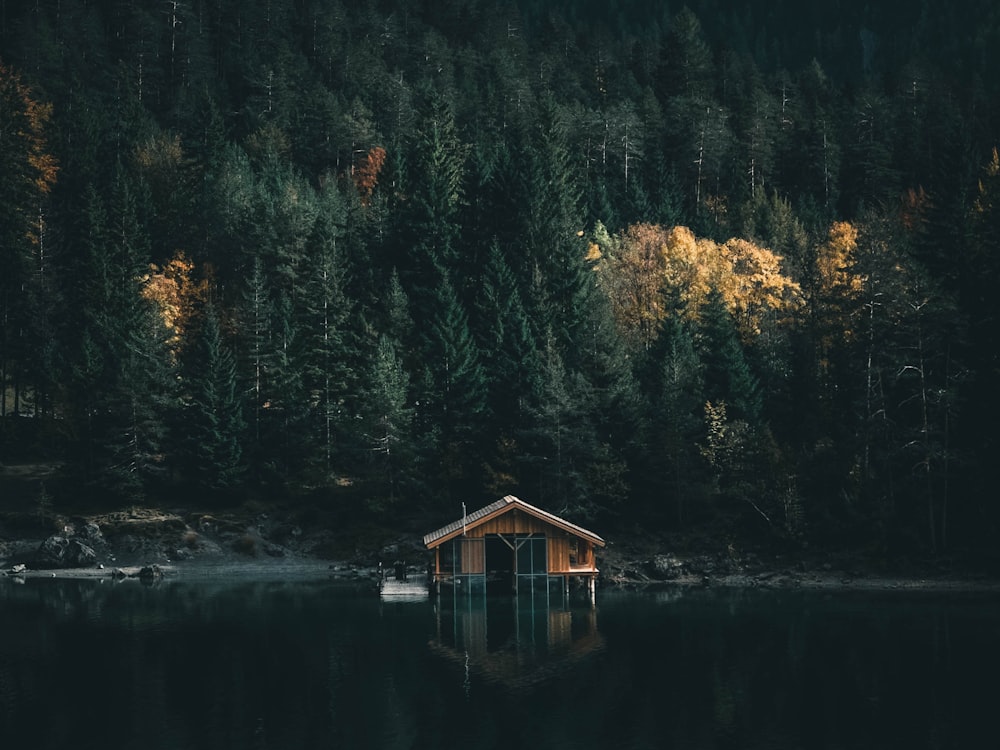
499 507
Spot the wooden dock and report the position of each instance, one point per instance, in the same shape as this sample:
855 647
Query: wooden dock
413 588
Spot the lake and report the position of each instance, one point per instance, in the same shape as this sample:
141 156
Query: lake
320 664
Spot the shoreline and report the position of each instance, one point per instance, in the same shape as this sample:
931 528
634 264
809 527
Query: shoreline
304 569
198 546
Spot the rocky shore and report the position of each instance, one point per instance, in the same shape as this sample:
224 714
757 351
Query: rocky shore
150 544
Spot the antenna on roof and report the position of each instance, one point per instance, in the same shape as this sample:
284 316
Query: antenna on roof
463 519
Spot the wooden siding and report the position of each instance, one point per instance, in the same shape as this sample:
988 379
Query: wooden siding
560 561
558 553
473 556
512 522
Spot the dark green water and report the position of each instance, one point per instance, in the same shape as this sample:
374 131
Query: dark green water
86 664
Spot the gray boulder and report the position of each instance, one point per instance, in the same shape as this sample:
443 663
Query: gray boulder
664 567
52 552
59 552
79 555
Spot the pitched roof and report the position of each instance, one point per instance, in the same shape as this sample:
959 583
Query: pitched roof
501 506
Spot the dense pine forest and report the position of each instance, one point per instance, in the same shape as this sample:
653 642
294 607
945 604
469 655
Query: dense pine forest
714 268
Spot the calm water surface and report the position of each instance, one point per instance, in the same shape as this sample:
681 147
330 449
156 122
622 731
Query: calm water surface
315 664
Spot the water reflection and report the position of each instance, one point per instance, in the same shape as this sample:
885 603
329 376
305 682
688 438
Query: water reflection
516 642
274 665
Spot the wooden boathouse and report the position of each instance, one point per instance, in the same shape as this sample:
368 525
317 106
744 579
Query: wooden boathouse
513 545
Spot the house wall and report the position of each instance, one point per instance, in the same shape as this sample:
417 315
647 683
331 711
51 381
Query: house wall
514 522
473 557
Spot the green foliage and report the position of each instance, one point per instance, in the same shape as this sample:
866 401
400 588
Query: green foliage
211 419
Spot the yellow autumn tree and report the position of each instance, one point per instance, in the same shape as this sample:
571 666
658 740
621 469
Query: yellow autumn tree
631 267
837 285
693 267
646 262
755 286
176 294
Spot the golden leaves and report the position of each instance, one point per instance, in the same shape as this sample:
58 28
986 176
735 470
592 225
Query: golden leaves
647 262
835 259
176 295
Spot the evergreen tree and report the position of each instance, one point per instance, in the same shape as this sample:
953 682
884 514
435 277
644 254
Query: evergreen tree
559 441
29 172
329 353
677 399
728 378
387 419
125 361
431 230
212 417
451 392
554 262
505 342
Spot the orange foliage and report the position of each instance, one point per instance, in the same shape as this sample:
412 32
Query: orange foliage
914 209
175 294
757 286
834 261
25 119
367 172
646 259
837 284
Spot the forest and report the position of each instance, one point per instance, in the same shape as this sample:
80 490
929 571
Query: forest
707 268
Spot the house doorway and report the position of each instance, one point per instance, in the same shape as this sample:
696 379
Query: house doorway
499 564
512 561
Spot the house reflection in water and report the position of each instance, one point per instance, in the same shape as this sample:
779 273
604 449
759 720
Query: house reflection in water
515 641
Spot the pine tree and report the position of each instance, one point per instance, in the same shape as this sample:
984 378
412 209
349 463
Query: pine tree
451 392
554 261
29 172
328 350
387 423
505 342
728 378
676 410
125 363
212 417
559 441
431 227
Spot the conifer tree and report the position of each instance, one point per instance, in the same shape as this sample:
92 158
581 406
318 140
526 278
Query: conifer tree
505 342
676 424
451 392
387 421
125 359
329 353
212 417
554 262
728 377
559 441
29 172
431 229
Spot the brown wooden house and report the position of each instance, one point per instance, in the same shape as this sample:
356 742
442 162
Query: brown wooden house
510 542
